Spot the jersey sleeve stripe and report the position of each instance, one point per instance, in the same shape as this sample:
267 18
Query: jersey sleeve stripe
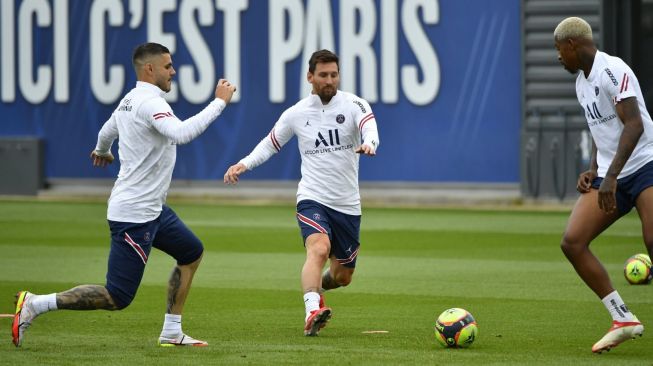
137 248
627 81
311 223
364 120
162 115
275 143
624 83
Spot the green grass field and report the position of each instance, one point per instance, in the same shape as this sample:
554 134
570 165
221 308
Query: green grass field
505 267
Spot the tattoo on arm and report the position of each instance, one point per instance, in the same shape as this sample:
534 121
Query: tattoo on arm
86 297
328 282
173 288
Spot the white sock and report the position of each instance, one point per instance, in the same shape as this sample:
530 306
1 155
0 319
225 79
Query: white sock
618 310
171 326
311 302
43 303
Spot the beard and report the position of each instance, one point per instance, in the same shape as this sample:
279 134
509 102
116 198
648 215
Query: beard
327 92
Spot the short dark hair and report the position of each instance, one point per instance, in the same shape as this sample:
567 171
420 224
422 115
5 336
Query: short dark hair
322 56
146 50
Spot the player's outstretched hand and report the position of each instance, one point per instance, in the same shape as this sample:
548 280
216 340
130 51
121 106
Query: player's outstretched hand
101 160
224 90
234 171
366 150
585 181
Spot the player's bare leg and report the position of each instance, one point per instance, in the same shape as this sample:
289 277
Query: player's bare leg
317 253
29 306
179 285
86 297
336 275
586 222
644 206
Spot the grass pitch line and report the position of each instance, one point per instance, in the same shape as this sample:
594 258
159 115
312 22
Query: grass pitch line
375 332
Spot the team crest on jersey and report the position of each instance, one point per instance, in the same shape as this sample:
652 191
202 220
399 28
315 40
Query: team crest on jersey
147 237
316 216
340 118
596 90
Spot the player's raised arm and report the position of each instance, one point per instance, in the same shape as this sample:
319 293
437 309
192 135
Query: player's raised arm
160 115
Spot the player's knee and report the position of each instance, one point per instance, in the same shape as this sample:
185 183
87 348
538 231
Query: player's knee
120 298
571 246
192 257
319 249
344 279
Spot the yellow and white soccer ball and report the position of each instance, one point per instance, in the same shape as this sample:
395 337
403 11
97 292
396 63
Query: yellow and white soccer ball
637 270
456 327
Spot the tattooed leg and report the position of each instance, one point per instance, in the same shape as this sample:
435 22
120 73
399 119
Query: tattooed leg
336 275
173 288
328 282
86 297
179 286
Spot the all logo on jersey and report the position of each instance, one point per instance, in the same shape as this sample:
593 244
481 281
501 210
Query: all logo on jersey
328 142
593 113
594 117
340 118
334 139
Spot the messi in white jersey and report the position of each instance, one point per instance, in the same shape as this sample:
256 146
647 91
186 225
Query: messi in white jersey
620 175
328 136
333 129
148 132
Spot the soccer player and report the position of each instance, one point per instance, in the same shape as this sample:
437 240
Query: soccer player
139 219
620 174
332 128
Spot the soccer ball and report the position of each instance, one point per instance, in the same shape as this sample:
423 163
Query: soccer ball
637 269
456 328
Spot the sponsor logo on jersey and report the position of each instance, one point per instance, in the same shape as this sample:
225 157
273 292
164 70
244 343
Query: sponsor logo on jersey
594 117
360 105
321 140
340 118
328 143
125 106
614 80
593 113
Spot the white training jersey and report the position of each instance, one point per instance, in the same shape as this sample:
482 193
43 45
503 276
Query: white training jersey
147 133
327 137
611 81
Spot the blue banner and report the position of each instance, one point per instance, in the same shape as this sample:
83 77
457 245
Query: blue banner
443 78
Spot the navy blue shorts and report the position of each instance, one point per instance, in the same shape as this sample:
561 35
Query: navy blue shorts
343 229
131 244
629 187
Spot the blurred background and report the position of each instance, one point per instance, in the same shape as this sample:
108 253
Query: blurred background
471 102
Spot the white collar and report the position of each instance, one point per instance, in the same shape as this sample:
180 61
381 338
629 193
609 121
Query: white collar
151 87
